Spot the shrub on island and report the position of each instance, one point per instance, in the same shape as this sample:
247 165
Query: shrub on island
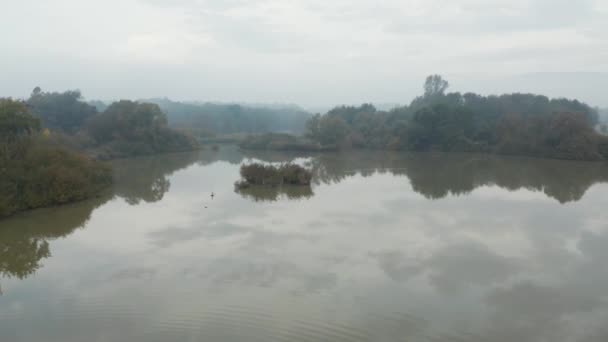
270 175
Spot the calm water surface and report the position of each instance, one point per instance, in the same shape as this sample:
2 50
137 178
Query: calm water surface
384 247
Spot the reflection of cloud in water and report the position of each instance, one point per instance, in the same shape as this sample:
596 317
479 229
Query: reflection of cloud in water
133 273
366 256
531 312
170 236
397 266
457 266
237 272
451 268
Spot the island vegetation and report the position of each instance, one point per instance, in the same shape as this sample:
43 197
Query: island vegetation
515 124
271 175
267 182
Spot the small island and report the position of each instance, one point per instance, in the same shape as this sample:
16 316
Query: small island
258 174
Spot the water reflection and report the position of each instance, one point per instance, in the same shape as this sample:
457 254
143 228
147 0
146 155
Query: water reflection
371 255
24 239
147 178
259 193
438 175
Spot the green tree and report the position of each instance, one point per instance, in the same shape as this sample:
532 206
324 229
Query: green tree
333 130
65 111
128 120
523 124
128 128
435 85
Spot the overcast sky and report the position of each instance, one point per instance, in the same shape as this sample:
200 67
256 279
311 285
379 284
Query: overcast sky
310 52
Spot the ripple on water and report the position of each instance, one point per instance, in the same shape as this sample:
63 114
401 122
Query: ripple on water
254 321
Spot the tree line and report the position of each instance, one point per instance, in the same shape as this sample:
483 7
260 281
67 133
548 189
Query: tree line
50 145
521 124
124 128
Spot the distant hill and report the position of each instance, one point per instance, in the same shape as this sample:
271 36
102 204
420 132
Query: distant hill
206 119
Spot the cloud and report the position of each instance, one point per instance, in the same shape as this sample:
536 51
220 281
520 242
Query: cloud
305 51
488 17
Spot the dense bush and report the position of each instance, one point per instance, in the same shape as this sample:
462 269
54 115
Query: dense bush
64 112
128 128
48 176
284 174
34 173
122 129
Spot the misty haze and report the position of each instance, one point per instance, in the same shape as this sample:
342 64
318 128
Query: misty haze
306 170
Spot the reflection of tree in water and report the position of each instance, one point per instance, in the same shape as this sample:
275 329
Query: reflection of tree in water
274 193
21 257
437 175
565 181
146 179
24 239
434 175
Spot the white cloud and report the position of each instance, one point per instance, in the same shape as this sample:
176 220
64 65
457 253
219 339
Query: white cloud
307 51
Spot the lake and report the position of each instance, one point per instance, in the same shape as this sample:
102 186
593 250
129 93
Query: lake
383 247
